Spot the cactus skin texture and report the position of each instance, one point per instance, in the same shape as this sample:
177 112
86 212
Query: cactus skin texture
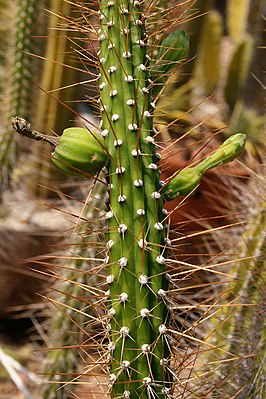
139 353
188 179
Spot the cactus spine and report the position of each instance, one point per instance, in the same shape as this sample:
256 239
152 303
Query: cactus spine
135 248
73 307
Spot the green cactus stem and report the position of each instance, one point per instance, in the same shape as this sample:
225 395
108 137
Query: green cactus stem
188 179
135 253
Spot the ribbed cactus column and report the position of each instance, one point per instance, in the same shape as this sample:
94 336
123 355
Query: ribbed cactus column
20 92
137 316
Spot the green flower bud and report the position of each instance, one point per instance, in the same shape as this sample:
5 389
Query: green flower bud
79 151
188 179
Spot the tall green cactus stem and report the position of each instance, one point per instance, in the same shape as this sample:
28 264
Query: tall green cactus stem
20 95
139 351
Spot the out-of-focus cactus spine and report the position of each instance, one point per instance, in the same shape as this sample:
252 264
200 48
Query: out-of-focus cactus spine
57 74
240 331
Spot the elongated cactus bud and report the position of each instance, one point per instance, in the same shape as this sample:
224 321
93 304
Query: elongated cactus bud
173 48
79 151
188 179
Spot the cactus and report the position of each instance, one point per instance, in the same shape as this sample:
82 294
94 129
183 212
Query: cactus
73 307
208 65
238 71
137 330
20 96
237 17
135 252
240 329
188 179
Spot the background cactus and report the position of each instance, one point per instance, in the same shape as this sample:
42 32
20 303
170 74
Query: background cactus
238 71
210 50
240 325
237 17
20 95
74 306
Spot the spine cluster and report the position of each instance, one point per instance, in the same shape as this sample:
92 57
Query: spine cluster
136 250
